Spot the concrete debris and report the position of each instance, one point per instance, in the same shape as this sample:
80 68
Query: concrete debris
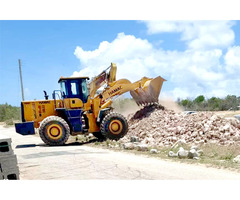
155 126
142 147
237 159
192 153
182 153
153 151
128 146
194 147
195 158
172 154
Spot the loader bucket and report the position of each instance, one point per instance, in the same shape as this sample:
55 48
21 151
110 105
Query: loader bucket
148 91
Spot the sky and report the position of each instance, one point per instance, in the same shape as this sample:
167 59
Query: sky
195 57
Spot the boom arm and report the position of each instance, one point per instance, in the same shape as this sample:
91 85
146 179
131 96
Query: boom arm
102 78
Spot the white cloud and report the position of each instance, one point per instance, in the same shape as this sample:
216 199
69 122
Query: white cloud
192 72
127 51
197 34
232 60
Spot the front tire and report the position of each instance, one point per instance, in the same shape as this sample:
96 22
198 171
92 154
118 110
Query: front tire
54 131
99 136
114 126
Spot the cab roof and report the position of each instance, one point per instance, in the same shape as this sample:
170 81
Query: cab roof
72 78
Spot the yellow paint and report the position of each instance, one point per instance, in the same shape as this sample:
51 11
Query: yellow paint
70 103
54 131
96 106
115 126
106 104
93 127
87 105
112 73
33 110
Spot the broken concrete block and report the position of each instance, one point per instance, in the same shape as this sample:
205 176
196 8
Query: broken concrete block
7 162
153 151
192 153
142 147
172 154
5 145
128 146
10 174
182 153
237 159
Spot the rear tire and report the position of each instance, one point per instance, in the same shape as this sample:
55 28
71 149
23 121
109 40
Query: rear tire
114 126
54 131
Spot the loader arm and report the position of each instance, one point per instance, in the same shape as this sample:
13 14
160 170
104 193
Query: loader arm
106 77
144 91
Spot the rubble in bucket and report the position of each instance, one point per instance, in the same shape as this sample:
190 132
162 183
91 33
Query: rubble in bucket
8 160
156 126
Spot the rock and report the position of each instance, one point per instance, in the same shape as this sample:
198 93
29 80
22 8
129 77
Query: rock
162 127
200 152
90 135
192 153
142 147
128 146
195 158
153 151
134 139
172 154
182 153
194 147
237 159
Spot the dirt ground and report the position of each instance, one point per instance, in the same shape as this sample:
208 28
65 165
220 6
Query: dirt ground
79 161
227 114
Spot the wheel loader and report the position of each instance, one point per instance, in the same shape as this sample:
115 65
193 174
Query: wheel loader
78 107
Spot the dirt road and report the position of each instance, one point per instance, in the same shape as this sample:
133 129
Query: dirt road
38 161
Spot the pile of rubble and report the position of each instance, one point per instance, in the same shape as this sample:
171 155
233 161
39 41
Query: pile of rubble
156 126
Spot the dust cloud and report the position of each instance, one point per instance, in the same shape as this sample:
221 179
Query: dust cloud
170 104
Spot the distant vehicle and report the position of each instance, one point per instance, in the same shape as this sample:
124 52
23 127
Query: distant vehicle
237 116
189 112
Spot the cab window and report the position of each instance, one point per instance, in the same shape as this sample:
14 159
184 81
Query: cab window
63 88
74 88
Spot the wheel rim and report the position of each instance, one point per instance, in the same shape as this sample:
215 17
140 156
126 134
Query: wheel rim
54 131
116 127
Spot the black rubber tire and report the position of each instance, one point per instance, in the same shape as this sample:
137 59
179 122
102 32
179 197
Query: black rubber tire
106 132
99 136
50 121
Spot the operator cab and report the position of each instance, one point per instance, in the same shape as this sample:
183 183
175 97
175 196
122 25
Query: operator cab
74 88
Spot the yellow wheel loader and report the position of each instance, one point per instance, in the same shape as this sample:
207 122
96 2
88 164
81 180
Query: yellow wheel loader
78 108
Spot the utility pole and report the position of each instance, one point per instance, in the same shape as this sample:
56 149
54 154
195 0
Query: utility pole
20 71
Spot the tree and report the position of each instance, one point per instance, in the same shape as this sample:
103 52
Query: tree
199 99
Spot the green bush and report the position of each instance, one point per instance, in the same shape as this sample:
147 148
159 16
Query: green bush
200 103
9 113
